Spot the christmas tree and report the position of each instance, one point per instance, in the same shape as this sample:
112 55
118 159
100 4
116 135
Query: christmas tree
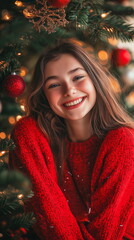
15 189
28 26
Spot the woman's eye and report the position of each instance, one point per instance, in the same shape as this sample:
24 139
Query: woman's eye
54 85
78 78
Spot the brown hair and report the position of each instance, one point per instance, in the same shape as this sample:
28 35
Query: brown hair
107 113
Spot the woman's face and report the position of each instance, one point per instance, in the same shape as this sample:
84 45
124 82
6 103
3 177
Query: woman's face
68 88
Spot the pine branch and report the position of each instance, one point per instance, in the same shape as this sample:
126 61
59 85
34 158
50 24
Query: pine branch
8 206
6 144
120 29
25 221
119 10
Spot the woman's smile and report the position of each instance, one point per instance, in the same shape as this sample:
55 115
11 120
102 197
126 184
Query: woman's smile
74 103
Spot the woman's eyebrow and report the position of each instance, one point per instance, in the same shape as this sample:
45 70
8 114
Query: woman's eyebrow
76 69
70 72
50 77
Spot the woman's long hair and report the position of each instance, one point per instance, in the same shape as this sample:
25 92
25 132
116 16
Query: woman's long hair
107 113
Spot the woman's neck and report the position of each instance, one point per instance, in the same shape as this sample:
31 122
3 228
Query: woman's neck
79 131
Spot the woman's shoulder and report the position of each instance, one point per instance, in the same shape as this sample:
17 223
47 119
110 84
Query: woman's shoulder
27 126
25 122
121 135
121 132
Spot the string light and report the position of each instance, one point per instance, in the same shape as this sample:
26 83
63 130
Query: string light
110 29
19 53
28 12
103 55
103 15
23 71
20 196
2 135
112 41
22 107
19 3
11 120
2 153
6 16
18 117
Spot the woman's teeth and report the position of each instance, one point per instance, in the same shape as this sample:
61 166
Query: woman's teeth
73 102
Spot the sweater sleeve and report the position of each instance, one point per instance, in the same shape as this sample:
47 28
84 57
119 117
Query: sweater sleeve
112 198
54 218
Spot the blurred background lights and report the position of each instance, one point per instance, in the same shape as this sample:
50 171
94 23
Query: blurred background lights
19 53
18 117
19 3
22 107
113 41
2 153
11 120
103 55
20 196
130 99
2 135
6 16
28 12
23 71
103 15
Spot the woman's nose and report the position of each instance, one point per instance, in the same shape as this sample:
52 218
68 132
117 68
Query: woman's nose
69 91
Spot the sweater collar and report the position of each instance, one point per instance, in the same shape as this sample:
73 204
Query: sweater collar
82 147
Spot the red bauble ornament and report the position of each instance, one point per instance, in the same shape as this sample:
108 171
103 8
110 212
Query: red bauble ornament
120 57
14 85
59 3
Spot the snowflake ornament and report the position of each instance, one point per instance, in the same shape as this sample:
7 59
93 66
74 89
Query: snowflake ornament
46 16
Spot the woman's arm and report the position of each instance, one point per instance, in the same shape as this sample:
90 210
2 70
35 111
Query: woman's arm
54 218
112 201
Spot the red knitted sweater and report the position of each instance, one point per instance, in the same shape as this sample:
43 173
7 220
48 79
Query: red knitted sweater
96 201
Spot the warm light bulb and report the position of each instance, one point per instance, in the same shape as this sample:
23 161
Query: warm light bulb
2 153
28 12
112 41
2 135
22 107
20 196
11 120
103 55
23 71
18 117
19 53
103 15
6 16
110 29
19 3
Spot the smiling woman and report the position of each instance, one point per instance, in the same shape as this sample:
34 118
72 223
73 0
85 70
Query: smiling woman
77 147
70 92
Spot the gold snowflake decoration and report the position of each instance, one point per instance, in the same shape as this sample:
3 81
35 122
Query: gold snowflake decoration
43 15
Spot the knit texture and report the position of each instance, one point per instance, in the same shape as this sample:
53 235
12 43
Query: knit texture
96 200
